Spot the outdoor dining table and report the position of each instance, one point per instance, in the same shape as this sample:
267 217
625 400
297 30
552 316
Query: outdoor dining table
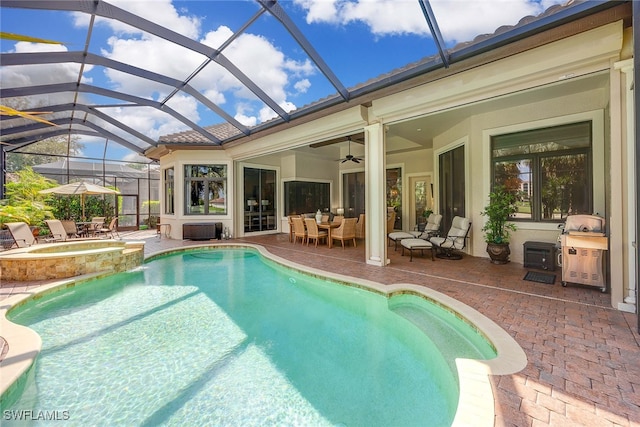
328 226
82 227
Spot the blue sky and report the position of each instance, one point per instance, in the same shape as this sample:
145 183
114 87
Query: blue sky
358 39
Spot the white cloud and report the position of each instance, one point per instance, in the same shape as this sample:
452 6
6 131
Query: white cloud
42 74
161 12
458 20
301 86
320 11
273 75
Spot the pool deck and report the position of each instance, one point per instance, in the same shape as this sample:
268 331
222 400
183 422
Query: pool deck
583 356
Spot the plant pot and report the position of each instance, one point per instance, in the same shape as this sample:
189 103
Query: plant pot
498 252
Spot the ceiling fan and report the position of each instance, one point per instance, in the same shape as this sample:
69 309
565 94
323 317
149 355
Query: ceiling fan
350 156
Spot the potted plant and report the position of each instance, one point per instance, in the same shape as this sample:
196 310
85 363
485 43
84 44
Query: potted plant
497 229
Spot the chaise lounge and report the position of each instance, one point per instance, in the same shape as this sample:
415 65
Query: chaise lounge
455 241
421 231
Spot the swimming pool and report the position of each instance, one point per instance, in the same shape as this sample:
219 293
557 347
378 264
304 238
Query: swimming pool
229 337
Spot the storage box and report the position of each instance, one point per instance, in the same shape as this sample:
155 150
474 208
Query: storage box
540 255
202 231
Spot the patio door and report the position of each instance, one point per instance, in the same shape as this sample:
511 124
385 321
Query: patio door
260 196
420 198
128 214
451 185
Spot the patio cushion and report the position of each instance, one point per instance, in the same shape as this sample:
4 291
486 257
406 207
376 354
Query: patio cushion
413 244
400 235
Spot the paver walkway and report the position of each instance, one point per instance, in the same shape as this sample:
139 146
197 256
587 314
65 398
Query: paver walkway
583 355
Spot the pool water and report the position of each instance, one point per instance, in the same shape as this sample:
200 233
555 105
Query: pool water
226 337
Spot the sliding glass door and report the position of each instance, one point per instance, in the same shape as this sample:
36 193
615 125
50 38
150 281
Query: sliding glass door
451 185
260 210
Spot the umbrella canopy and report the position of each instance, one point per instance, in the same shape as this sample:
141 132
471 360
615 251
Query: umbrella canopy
80 188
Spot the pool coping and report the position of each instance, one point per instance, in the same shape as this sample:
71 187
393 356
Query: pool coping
476 401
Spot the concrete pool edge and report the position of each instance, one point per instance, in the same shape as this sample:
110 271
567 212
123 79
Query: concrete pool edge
476 404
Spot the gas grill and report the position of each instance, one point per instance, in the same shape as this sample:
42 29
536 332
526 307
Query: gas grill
583 242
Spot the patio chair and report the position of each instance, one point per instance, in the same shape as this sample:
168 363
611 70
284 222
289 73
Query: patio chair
21 233
346 231
417 244
360 227
425 230
313 232
71 228
110 230
58 232
290 221
455 241
97 222
299 230
391 220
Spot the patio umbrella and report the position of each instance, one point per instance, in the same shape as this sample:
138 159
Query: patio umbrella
81 188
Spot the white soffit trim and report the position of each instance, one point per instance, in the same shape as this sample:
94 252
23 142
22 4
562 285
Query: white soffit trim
331 126
560 60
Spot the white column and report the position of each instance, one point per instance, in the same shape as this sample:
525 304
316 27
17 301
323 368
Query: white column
376 206
630 252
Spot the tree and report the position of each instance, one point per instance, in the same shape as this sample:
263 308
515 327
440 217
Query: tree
44 151
23 199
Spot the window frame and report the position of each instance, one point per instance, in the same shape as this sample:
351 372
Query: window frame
206 181
169 183
536 159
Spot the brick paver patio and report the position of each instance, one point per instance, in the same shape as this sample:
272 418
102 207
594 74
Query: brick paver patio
583 356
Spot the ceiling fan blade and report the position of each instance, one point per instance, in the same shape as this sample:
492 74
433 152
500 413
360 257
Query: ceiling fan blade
345 160
355 160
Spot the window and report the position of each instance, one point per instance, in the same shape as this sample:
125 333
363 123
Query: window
549 169
205 189
353 192
306 197
169 194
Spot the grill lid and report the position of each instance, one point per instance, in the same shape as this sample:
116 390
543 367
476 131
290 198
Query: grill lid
585 223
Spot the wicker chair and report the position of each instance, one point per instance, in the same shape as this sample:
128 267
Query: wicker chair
299 230
360 227
391 220
291 231
313 232
346 231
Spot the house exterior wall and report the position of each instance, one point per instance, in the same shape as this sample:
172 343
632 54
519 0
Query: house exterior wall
537 88
177 160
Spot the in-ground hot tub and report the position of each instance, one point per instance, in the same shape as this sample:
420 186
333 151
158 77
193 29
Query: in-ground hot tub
69 259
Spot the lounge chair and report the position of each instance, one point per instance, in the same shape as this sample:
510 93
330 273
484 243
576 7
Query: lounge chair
313 232
346 231
417 244
57 229
421 231
455 240
21 233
